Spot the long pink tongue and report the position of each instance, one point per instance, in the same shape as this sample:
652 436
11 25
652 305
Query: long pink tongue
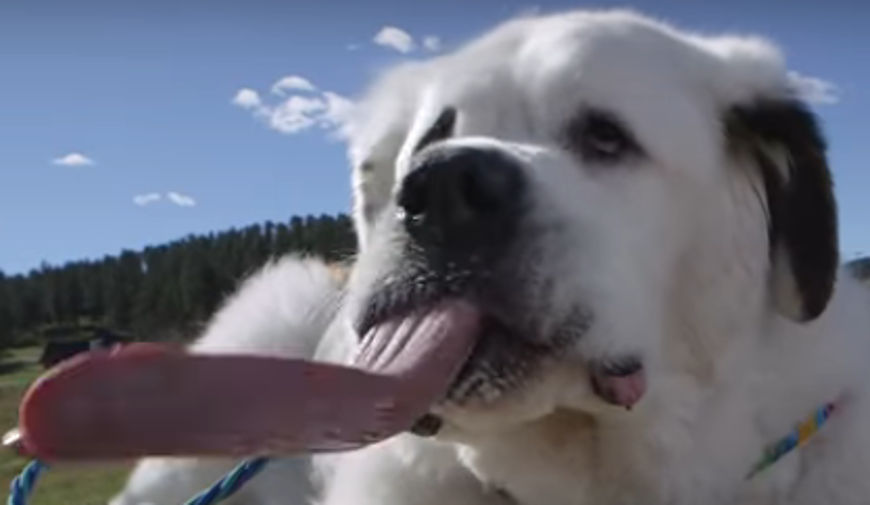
145 400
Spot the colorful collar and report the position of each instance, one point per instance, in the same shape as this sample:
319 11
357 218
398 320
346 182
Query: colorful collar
797 437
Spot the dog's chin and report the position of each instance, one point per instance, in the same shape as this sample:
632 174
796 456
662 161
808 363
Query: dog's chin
538 396
509 379
567 384
502 364
515 379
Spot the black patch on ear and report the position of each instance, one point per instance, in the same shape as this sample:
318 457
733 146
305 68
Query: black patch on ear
800 197
441 129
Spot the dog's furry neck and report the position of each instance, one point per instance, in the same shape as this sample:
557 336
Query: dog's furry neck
686 426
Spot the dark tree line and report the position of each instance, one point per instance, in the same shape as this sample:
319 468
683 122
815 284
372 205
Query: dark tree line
861 268
161 292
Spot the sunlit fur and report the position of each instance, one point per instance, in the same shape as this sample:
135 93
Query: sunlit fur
670 252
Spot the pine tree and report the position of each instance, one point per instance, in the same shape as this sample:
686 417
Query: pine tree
6 323
164 291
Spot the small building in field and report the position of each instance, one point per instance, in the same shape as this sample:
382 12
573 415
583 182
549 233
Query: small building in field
59 350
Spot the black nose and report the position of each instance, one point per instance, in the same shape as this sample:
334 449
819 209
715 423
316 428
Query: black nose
463 200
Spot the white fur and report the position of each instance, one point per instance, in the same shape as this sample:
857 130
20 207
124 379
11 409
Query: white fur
670 253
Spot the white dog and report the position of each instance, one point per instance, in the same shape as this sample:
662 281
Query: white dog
641 223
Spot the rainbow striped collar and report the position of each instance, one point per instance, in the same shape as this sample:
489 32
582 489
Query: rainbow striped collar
795 438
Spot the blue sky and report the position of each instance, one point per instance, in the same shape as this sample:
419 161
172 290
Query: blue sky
122 123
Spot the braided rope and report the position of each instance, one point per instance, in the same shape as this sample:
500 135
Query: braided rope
795 438
231 483
22 485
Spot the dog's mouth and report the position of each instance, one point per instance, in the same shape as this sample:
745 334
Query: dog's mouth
499 359
507 350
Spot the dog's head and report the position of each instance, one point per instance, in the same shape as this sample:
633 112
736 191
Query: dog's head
621 200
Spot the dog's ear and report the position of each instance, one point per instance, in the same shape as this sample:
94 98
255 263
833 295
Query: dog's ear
784 140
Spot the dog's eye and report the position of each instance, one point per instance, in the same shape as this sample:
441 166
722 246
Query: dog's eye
599 137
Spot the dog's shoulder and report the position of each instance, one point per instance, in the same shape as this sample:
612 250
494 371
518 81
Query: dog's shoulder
283 309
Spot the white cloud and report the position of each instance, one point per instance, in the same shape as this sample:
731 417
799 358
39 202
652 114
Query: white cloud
396 38
814 89
432 43
247 98
146 199
292 82
73 160
180 199
352 47
296 113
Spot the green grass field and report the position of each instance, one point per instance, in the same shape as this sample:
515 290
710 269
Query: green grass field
90 485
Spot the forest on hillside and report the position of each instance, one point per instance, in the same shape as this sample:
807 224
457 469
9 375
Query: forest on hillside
163 292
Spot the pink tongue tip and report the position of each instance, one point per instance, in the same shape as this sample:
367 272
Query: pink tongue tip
147 400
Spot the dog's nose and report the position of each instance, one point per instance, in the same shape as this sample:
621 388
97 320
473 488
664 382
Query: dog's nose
463 199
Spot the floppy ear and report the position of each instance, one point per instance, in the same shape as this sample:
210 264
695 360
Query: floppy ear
784 140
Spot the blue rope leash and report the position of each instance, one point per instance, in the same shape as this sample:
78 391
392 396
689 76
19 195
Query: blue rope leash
22 485
231 483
